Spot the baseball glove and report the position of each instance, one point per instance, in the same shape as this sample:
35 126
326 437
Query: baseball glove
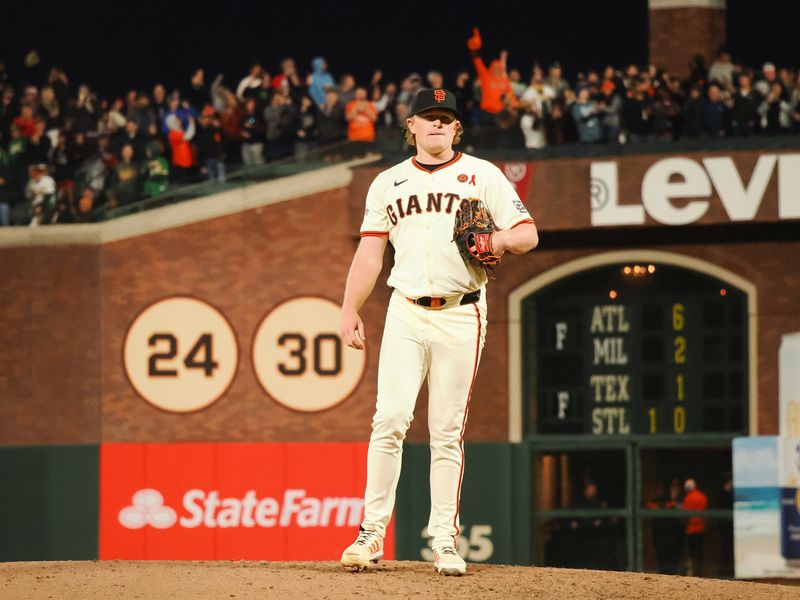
472 234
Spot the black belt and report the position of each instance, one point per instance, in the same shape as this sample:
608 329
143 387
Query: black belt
438 302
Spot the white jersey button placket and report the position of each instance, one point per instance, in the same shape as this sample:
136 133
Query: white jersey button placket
428 245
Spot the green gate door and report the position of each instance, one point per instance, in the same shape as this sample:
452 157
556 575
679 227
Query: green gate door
495 502
617 504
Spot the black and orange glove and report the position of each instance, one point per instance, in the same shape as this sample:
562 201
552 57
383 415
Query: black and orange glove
472 233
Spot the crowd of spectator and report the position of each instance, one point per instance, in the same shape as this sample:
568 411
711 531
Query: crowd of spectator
65 152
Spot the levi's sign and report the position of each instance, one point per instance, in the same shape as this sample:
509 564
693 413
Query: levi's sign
679 190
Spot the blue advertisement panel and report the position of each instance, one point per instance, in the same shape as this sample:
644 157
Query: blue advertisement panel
766 509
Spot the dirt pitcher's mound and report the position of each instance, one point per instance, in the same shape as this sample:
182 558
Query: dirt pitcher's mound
390 579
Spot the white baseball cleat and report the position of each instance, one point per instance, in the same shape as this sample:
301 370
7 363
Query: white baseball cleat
368 548
447 561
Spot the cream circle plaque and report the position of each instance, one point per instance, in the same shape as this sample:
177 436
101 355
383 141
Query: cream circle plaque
180 354
299 358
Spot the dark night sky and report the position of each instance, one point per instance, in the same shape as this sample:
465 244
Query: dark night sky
117 45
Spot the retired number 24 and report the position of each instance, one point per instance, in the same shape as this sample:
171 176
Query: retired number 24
201 355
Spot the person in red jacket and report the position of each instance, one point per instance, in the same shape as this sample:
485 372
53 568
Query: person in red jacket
496 91
695 526
26 121
182 152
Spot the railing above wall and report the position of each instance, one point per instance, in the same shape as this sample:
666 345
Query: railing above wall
240 176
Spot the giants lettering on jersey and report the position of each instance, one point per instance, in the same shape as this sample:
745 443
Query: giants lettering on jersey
412 206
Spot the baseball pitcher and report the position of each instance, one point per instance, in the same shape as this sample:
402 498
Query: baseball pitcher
450 218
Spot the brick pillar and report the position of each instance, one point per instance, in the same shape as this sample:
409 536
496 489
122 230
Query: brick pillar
681 29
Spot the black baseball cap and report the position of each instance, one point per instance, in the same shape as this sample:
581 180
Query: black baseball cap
428 98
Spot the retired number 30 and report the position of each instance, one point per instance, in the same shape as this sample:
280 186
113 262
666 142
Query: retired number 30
319 344
298 359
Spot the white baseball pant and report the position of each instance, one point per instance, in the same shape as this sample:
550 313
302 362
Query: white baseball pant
445 345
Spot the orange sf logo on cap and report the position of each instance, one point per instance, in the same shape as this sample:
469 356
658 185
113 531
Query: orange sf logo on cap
439 96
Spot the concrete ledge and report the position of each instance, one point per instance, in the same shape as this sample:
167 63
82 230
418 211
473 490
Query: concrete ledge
659 4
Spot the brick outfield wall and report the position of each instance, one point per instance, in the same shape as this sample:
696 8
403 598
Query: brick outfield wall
49 345
676 35
67 309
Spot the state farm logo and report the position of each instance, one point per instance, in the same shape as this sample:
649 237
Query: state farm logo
147 509
208 509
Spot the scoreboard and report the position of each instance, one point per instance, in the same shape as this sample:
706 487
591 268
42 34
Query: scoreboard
636 349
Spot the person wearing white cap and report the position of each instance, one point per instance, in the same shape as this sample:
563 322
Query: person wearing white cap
764 84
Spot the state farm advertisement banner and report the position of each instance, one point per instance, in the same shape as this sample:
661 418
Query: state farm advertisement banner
282 501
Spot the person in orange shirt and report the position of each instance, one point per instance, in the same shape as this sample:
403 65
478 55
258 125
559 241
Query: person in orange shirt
182 151
695 526
361 115
496 91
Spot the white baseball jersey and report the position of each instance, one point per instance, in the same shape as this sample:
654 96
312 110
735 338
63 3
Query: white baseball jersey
417 208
